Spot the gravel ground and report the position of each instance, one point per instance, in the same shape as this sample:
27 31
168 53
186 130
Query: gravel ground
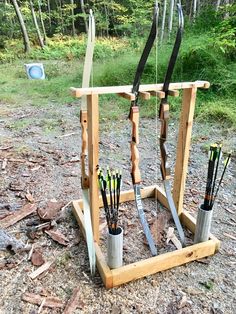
43 152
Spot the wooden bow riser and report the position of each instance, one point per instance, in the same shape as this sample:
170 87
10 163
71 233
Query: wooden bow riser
83 156
135 171
164 117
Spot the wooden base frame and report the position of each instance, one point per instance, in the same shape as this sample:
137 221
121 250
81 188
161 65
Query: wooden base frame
152 265
115 277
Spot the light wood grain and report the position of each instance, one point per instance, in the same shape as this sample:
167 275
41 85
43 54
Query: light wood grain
183 146
93 139
78 92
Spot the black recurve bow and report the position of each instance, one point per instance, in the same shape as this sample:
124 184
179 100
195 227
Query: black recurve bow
164 116
134 118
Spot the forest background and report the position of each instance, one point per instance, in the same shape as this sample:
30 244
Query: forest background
54 32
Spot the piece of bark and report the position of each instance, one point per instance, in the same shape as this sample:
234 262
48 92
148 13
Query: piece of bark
4 213
37 258
171 237
57 236
17 185
158 227
50 211
8 242
40 270
18 215
73 303
51 302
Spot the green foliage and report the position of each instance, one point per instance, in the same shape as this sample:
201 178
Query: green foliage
65 47
225 33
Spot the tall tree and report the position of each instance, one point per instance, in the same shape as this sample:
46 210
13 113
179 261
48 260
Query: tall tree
163 20
41 43
194 9
41 21
218 4
170 24
22 25
84 15
72 17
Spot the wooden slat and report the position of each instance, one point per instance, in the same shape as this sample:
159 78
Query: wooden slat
159 94
145 95
183 145
162 262
101 264
77 212
93 139
160 195
125 196
78 92
128 96
173 93
103 268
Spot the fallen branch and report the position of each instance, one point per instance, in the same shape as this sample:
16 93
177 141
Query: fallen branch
18 215
38 299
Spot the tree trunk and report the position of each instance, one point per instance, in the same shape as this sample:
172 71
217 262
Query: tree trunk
42 22
22 25
194 9
226 11
163 21
172 3
107 20
72 17
83 11
36 24
218 5
49 15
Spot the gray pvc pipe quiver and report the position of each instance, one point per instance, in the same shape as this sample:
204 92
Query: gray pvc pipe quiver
203 225
115 249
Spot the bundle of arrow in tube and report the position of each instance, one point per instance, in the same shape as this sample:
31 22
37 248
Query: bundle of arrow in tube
213 166
110 186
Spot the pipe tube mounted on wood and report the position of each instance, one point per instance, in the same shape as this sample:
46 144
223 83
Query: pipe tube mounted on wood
203 225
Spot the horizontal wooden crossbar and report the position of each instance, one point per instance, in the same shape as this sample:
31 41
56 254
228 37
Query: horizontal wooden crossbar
78 92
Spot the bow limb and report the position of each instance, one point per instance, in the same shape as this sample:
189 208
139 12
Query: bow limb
83 121
134 118
164 118
85 83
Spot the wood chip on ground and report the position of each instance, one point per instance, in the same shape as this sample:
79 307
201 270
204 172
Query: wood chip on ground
51 302
73 303
18 215
40 270
57 236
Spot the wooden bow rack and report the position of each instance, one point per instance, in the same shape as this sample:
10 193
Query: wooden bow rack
152 265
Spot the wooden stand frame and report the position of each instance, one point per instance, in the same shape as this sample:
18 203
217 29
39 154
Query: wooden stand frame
152 265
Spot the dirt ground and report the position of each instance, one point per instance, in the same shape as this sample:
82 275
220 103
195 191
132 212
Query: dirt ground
40 161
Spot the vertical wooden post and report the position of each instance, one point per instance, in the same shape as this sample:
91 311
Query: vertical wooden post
93 139
183 146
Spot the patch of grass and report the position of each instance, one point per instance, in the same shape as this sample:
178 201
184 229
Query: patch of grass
60 76
19 125
219 112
